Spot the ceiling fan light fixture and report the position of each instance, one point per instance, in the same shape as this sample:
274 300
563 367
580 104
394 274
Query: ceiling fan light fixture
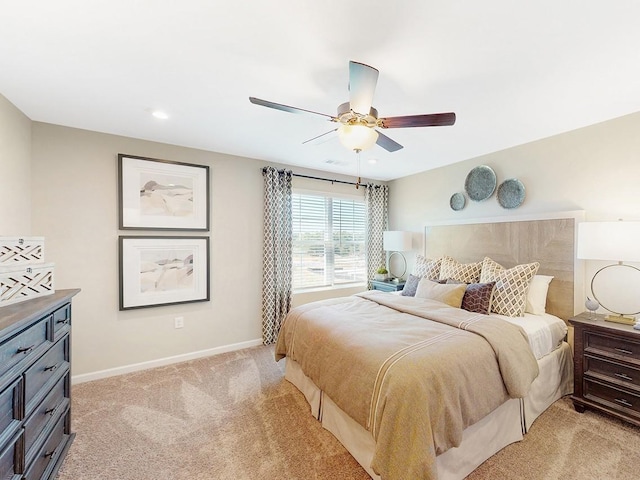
357 137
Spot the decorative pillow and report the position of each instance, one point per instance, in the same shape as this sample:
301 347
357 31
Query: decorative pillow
463 272
410 286
425 267
477 297
537 296
512 285
451 294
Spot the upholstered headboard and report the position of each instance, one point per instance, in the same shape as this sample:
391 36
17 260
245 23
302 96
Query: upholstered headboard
510 242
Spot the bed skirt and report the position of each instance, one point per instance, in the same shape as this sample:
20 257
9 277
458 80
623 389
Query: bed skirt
505 425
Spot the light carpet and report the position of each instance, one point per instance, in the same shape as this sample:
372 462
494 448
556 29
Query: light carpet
233 416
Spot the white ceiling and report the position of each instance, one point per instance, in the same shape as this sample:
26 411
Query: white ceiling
512 71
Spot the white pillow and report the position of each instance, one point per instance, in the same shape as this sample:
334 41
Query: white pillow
537 295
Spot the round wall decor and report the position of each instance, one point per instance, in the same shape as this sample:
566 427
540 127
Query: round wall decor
457 201
511 193
480 183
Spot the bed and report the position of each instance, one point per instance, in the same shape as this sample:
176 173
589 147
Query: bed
416 388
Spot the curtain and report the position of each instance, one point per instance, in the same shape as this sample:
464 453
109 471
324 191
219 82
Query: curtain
377 200
276 272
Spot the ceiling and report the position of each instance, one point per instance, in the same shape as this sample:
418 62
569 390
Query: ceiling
513 72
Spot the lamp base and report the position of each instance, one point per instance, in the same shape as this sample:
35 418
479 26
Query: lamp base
620 319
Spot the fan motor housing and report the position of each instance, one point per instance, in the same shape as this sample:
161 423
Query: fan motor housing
347 116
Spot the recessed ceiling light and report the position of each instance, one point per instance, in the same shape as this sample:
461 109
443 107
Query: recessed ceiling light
160 114
372 161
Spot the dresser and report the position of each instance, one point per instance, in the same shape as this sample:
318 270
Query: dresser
387 285
35 387
606 367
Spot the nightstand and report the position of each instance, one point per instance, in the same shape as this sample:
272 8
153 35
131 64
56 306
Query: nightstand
606 366
387 285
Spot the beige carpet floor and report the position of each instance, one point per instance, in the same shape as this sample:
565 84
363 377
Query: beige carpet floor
233 416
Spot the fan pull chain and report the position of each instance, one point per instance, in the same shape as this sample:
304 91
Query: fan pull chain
357 150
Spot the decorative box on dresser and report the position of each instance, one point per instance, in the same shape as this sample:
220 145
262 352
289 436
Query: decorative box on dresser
35 386
606 367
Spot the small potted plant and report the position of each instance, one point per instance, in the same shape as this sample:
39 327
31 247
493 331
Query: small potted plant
381 273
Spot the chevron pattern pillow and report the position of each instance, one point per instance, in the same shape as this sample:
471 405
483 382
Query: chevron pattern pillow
425 267
462 272
512 285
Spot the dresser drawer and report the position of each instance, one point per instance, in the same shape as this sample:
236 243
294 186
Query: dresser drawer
612 397
51 408
10 414
612 371
41 376
23 346
49 453
11 466
622 348
61 321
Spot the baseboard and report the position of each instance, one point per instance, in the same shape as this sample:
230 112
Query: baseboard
161 362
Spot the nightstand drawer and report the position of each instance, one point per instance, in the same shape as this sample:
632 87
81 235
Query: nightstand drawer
619 347
611 397
612 371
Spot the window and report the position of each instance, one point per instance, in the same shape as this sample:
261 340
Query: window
328 241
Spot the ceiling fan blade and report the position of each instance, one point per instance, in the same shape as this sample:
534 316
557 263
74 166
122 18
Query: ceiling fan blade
325 137
388 144
362 85
287 108
427 120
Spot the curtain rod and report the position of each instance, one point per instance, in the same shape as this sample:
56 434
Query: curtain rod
325 179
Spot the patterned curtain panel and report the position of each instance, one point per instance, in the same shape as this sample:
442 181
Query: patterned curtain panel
377 200
276 272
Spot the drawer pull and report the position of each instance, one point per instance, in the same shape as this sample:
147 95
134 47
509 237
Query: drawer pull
50 368
66 320
50 454
624 376
51 411
624 402
25 350
623 350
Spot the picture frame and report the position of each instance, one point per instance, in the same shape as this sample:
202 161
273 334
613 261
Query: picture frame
163 270
159 194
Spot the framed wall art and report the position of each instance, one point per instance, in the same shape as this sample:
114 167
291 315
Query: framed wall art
158 271
162 195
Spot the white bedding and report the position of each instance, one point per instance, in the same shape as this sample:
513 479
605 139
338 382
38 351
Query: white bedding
545 332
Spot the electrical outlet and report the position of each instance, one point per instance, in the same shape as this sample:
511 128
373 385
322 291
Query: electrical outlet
178 322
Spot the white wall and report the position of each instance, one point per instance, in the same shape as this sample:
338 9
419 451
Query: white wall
595 169
75 206
15 171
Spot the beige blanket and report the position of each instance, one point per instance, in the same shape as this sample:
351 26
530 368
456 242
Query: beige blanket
414 384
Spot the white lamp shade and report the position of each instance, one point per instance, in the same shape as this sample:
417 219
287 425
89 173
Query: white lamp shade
357 137
615 241
396 241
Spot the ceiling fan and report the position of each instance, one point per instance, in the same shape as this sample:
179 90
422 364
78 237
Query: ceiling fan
358 120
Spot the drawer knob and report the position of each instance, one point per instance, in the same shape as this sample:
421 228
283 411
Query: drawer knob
623 350
624 376
50 368
25 350
624 402
51 411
